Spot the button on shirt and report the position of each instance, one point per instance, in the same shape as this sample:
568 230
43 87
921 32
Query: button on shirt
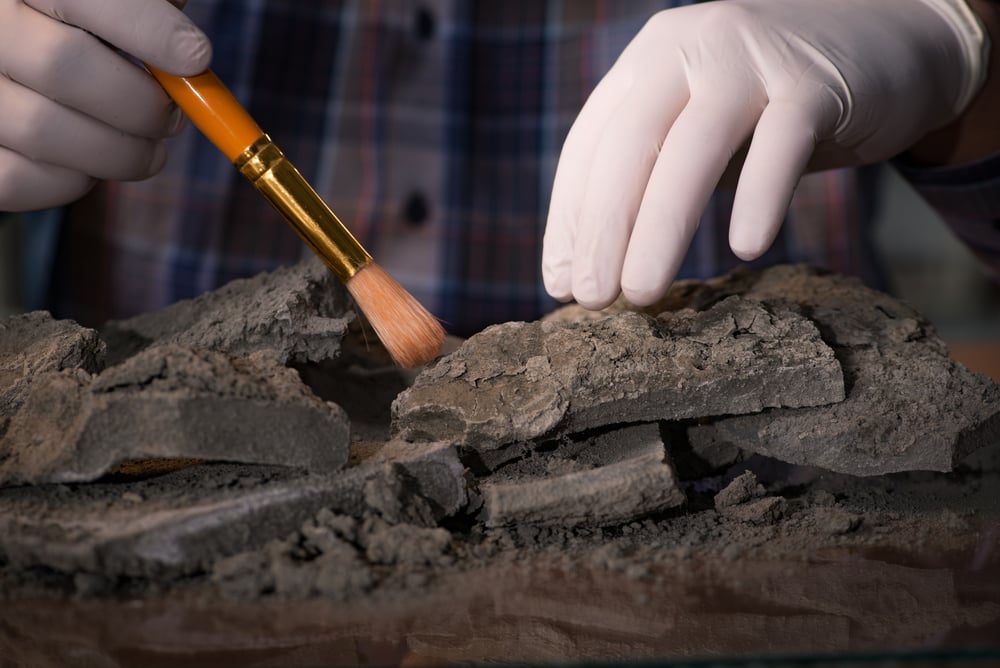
432 128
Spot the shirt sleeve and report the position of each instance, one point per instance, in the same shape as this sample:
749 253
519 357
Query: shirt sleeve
968 198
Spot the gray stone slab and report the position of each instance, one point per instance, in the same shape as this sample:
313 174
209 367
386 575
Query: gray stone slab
527 381
298 313
184 521
33 343
908 405
609 479
172 402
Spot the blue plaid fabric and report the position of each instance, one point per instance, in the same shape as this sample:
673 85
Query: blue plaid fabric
432 127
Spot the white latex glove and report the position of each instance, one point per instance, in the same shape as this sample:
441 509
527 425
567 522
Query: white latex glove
810 83
72 109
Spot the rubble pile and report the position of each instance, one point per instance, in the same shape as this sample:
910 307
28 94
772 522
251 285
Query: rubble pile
251 441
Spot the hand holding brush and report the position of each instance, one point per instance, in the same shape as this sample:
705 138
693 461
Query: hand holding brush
76 111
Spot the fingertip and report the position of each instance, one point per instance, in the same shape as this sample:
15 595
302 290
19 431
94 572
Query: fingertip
176 122
157 160
557 254
748 255
562 298
557 284
747 252
190 51
655 253
152 31
594 292
646 287
641 296
594 303
749 239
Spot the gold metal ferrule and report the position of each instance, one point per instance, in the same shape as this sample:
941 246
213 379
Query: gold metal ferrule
266 167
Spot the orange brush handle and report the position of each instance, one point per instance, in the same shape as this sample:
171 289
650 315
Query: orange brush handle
213 109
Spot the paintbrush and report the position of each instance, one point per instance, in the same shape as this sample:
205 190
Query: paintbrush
410 334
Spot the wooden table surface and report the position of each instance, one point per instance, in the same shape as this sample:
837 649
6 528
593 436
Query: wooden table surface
981 356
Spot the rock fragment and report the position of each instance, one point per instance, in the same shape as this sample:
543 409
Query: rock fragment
615 477
186 520
742 489
908 406
527 381
431 472
297 313
171 402
745 500
33 343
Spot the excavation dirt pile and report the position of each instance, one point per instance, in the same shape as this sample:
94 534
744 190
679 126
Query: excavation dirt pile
251 443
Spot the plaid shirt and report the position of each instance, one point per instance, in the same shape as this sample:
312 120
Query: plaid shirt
968 197
432 127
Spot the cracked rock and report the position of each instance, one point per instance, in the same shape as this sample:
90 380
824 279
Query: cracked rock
908 405
171 402
526 381
610 478
183 521
33 343
297 313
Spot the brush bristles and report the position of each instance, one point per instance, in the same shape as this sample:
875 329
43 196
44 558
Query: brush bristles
410 334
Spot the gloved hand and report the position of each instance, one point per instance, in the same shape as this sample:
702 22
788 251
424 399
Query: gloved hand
72 109
810 84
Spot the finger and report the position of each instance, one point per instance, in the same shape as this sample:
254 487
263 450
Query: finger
783 145
571 177
700 144
153 31
618 174
43 130
29 185
74 68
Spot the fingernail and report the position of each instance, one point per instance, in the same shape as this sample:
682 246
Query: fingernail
176 122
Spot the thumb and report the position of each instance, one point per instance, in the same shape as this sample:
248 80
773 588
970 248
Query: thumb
154 31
